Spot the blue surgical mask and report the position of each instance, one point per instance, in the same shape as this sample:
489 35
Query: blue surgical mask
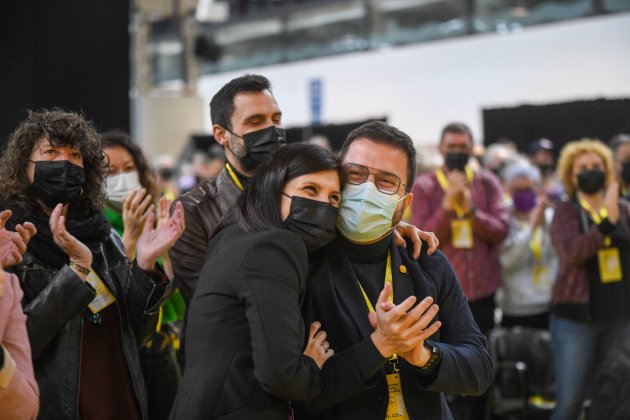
365 213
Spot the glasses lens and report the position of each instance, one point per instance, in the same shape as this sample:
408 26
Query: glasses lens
356 174
387 183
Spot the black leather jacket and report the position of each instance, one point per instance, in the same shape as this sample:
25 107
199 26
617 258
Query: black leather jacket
54 301
204 207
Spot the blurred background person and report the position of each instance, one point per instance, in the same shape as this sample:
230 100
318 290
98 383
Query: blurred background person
466 210
167 176
591 296
620 145
132 194
541 154
87 308
527 258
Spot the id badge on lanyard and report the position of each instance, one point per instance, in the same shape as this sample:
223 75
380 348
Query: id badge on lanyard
396 407
103 298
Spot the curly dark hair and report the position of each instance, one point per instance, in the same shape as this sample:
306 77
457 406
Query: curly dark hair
59 127
118 138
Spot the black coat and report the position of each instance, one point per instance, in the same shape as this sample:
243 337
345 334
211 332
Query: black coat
54 301
245 334
334 299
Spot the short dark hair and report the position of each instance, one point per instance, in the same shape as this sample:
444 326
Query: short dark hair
60 128
456 128
118 138
618 140
383 133
222 103
258 207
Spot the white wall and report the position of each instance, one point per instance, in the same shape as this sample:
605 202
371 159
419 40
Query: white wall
163 124
424 86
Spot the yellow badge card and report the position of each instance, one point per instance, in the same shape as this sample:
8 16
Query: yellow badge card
609 265
103 298
541 276
396 407
461 233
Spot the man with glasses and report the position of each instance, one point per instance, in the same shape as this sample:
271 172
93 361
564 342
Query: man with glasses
466 211
363 281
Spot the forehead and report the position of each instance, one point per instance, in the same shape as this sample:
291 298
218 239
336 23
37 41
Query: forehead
623 151
328 179
380 156
45 142
456 139
588 158
118 154
250 103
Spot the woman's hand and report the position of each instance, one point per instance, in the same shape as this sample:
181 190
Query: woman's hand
156 241
136 208
317 347
416 235
13 244
78 253
611 201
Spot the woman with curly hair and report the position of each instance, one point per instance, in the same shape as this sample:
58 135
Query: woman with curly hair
88 308
591 295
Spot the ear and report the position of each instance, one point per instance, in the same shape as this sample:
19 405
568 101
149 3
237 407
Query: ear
220 134
407 201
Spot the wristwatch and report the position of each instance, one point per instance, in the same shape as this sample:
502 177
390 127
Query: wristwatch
436 354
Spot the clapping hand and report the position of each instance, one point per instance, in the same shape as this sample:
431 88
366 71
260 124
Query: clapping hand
401 330
13 244
76 250
135 210
157 240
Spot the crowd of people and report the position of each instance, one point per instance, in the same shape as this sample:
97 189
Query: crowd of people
283 282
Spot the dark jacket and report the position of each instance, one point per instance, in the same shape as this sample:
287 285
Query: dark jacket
54 301
204 207
245 334
334 299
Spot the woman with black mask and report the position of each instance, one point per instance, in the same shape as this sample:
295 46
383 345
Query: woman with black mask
245 334
590 305
87 306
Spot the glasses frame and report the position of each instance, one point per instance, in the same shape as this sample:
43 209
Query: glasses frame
376 173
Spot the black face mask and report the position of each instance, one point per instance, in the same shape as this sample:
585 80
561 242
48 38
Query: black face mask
57 181
313 221
591 181
625 172
259 145
456 161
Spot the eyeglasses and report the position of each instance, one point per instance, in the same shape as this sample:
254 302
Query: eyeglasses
385 182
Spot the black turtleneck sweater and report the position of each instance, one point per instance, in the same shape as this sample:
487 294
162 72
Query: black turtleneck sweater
368 262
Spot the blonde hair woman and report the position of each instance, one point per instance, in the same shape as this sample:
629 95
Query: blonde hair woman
591 296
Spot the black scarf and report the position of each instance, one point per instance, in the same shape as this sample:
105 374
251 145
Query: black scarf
90 230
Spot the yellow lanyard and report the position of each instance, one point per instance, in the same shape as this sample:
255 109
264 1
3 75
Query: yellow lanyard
388 279
235 179
597 217
535 245
439 174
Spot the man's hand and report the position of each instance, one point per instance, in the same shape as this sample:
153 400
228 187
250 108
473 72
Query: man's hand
399 331
13 244
457 192
416 235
